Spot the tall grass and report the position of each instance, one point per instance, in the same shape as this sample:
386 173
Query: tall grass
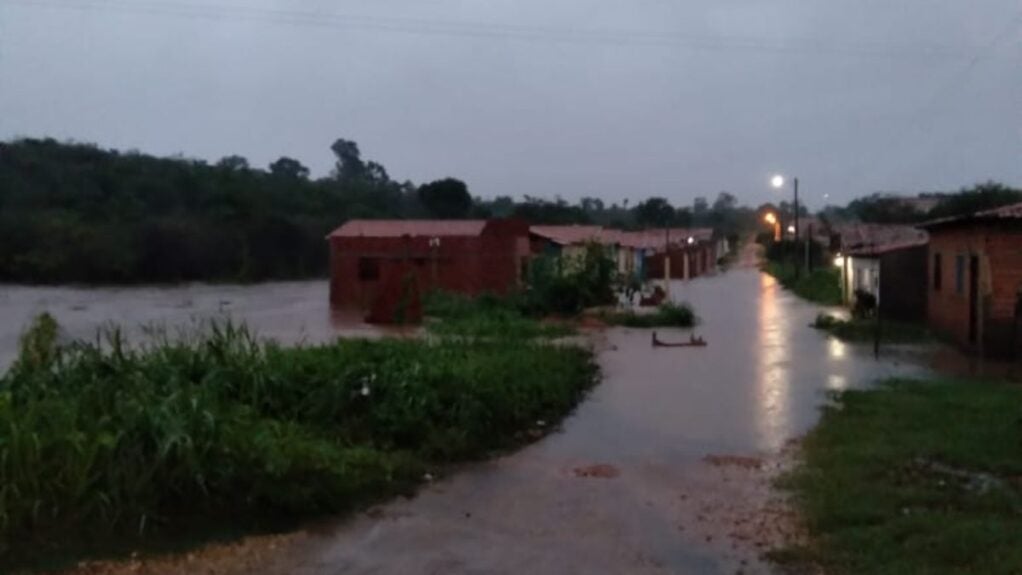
821 285
105 439
668 314
486 316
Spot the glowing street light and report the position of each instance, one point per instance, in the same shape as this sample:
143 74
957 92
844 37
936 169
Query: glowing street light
777 181
771 219
791 229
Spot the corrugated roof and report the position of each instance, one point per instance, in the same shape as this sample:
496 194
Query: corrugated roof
569 235
1008 212
413 228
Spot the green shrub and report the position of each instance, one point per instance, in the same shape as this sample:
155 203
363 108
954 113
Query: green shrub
858 329
822 285
666 315
106 439
485 316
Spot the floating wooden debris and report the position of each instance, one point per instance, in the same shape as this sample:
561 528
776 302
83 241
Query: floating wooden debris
693 341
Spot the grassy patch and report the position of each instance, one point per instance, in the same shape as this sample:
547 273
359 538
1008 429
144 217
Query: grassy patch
822 285
104 443
486 316
914 477
665 315
865 330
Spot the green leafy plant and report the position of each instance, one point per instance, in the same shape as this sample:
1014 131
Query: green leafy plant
666 315
106 441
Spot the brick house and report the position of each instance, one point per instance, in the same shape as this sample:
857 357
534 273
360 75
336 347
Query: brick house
569 242
975 280
383 267
887 261
693 253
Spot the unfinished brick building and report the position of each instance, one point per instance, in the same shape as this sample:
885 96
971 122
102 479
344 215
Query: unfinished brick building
383 267
975 280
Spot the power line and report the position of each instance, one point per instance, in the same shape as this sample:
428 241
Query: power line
930 109
482 30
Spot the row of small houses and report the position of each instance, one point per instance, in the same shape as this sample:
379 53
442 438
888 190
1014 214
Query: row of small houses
383 266
961 275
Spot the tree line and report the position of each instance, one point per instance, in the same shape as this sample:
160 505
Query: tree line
77 213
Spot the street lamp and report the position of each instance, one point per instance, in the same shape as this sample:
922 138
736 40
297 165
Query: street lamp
771 219
778 182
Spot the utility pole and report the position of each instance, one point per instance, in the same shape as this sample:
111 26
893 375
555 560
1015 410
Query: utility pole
795 185
809 239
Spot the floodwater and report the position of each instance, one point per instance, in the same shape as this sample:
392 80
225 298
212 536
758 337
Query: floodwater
665 468
652 503
290 312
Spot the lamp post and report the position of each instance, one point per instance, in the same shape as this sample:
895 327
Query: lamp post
777 181
771 219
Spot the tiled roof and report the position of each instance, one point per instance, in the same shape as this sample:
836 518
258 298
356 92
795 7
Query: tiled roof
1008 212
413 228
657 238
569 235
873 239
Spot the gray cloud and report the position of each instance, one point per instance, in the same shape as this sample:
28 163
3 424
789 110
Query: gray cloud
615 100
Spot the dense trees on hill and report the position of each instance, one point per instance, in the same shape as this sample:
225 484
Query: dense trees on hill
78 213
893 209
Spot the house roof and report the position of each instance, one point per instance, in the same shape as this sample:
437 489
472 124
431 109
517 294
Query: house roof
570 235
657 238
1003 213
876 239
413 228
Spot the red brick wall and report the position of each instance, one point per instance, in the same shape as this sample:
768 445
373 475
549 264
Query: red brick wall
487 263
700 261
999 248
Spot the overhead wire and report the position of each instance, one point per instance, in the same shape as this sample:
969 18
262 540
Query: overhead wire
489 30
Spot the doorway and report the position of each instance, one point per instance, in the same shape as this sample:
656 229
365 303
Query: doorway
973 299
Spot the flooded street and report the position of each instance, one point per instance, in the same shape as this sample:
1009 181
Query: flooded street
289 312
665 468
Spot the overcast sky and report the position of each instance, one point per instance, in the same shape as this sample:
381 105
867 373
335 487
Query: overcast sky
623 99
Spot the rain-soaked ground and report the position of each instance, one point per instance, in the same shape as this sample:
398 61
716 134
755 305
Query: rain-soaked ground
665 468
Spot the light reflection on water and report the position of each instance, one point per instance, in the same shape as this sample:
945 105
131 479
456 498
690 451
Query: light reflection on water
773 376
836 348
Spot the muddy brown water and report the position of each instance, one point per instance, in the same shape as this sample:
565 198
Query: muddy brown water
665 468
290 312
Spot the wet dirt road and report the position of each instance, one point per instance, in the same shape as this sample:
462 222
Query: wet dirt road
664 469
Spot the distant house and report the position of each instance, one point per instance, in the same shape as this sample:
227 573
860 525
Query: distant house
693 252
568 242
975 280
382 267
887 262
